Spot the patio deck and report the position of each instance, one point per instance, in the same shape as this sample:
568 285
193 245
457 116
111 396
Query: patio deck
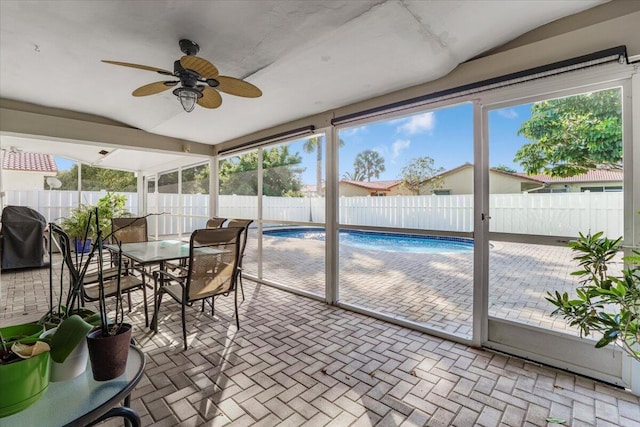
296 361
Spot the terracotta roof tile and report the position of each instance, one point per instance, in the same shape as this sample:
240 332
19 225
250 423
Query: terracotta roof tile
28 162
373 185
591 176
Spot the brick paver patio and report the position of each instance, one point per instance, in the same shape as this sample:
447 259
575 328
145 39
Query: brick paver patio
432 289
296 361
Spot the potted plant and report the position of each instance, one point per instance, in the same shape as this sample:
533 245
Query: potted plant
24 360
109 344
605 305
80 224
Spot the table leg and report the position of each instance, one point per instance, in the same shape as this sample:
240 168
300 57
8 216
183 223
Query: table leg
130 416
154 321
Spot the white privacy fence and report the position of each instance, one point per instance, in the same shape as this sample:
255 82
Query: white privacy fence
558 214
550 214
54 205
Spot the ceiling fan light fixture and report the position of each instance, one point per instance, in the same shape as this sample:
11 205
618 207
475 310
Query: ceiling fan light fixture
188 97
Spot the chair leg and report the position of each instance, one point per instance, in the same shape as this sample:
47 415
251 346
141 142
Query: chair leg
202 310
241 287
146 309
184 326
154 320
129 300
235 294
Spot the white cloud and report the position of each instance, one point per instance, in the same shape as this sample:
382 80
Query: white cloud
354 131
417 124
508 113
399 145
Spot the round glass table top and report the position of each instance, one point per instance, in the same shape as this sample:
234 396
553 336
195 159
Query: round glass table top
80 400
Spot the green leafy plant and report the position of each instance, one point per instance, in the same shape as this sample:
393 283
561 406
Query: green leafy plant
80 223
605 305
71 331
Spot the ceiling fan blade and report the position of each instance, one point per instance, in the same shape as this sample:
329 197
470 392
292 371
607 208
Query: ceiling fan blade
201 66
141 67
210 98
237 87
153 88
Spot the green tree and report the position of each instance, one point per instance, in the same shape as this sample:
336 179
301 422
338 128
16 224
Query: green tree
572 135
504 168
96 179
315 144
195 180
353 176
421 174
370 163
280 173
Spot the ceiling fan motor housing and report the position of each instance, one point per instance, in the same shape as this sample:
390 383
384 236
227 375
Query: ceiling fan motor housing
188 47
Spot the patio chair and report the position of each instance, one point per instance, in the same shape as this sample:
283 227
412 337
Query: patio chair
212 271
215 222
80 291
129 230
244 224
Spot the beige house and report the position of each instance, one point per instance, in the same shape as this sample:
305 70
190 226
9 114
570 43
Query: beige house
596 180
459 180
347 188
26 171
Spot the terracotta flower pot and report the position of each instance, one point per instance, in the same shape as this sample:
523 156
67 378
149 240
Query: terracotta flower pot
108 354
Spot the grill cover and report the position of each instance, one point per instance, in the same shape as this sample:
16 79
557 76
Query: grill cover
22 238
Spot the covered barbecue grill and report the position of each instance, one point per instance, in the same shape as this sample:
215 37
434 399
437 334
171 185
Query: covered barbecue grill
22 238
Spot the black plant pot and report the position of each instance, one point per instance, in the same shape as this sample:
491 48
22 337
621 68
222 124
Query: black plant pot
108 354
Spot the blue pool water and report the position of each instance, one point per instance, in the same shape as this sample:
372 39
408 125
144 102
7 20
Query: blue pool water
391 242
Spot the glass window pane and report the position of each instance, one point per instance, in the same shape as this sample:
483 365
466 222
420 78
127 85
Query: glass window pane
293 181
195 198
414 172
238 186
167 203
556 170
422 163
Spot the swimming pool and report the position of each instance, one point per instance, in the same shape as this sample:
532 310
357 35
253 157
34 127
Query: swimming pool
390 242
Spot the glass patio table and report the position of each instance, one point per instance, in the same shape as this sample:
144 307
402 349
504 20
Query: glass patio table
83 401
157 252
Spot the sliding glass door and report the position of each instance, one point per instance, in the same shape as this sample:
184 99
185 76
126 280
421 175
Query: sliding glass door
406 219
556 169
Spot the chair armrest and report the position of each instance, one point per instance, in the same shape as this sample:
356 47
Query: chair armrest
171 276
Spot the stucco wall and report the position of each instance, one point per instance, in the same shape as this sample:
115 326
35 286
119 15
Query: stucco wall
461 182
21 180
576 187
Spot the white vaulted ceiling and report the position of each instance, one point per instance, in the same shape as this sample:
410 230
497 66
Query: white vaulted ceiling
306 56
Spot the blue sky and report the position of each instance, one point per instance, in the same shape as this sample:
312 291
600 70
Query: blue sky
445 135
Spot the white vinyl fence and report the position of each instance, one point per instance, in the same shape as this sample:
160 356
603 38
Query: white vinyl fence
556 214
54 205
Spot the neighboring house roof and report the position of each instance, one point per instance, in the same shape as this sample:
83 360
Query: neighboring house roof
310 188
594 175
374 185
469 165
28 162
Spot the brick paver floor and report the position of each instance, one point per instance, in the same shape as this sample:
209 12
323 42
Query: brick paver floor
432 289
296 361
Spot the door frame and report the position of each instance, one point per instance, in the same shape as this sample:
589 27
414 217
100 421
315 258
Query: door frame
550 347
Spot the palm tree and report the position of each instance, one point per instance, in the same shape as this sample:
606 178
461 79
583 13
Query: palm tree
369 163
353 176
315 143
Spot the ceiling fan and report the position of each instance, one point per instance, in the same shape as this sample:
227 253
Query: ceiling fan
199 80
